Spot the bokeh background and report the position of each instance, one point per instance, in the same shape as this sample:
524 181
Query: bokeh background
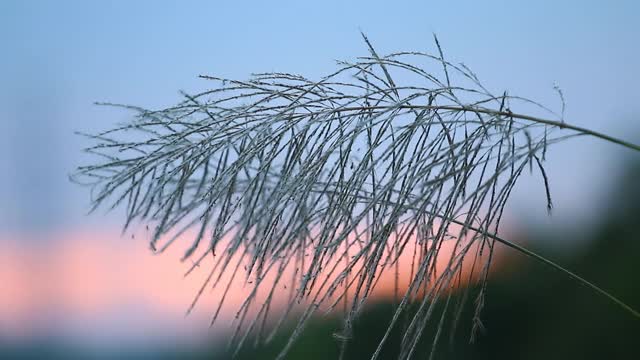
72 286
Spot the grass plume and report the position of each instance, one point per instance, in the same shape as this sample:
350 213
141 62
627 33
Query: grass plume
336 176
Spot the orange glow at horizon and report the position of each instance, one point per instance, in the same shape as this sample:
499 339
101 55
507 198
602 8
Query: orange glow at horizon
86 277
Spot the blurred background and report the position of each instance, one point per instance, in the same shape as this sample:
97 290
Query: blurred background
72 286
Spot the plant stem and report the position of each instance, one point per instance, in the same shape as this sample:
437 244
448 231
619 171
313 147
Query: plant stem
559 124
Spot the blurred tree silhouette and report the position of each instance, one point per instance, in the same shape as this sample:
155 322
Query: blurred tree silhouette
531 312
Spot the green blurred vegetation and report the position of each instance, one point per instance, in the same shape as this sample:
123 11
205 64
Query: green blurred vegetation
531 312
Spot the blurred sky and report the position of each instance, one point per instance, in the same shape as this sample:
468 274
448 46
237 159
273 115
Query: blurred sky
58 57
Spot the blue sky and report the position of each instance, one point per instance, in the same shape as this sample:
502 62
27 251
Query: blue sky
60 57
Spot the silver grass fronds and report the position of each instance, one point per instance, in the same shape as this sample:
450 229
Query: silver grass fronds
335 178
